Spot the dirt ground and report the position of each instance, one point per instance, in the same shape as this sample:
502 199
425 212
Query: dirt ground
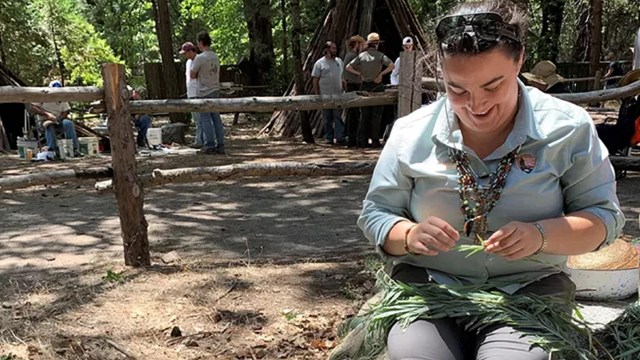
266 268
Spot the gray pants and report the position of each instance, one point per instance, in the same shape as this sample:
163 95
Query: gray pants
443 339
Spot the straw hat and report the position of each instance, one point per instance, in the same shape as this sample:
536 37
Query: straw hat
356 38
373 37
544 73
630 77
619 255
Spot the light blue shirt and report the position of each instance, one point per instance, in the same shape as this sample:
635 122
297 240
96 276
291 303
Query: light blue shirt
414 179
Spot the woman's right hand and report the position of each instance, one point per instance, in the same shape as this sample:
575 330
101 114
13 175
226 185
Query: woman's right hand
431 236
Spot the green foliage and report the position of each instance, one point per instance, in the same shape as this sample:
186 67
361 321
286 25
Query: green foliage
8 356
128 28
46 39
544 318
223 19
113 277
23 44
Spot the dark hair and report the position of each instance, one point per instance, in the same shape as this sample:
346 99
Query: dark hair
328 44
204 38
470 45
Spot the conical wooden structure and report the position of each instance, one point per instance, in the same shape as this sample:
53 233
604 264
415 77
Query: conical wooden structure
392 19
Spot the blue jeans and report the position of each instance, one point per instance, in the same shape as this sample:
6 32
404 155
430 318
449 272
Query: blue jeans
332 120
212 128
199 133
143 123
69 133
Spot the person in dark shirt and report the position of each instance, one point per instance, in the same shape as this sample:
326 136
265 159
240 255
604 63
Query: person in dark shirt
614 69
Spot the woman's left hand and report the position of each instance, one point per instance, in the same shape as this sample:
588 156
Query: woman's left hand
514 241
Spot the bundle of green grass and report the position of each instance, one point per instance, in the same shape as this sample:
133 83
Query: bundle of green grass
544 318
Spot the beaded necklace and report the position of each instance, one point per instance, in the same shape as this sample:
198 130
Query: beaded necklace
476 203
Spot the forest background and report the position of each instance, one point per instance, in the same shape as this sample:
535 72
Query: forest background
42 40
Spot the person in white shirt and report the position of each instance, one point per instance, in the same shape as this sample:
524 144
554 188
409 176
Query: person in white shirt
56 115
407 45
206 69
188 50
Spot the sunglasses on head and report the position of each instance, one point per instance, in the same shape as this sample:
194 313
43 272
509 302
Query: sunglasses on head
484 26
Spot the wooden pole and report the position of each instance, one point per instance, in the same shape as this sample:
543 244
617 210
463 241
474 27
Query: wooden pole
416 81
127 186
406 86
597 80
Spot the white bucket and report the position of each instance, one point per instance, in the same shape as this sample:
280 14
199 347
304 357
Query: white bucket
154 136
89 146
24 144
65 148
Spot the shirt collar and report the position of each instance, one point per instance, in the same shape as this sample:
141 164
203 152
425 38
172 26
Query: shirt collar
447 131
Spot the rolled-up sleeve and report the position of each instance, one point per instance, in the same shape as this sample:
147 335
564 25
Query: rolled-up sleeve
387 201
589 181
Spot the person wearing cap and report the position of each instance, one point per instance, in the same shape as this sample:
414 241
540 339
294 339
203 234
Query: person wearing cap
544 77
206 69
369 67
188 50
56 117
407 46
356 45
327 80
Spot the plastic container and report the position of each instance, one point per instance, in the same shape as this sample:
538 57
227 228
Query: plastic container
89 146
605 284
65 148
154 136
24 144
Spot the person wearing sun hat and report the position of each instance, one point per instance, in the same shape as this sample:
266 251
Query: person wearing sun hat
544 77
369 67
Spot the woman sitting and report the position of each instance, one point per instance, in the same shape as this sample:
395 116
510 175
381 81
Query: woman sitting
494 162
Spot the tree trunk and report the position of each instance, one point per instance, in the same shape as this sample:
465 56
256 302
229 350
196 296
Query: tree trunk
163 29
285 39
582 46
128 187
596 36
258 15
549 40
3 55
307 134
366 16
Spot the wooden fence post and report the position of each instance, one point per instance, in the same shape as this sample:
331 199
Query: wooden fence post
410 83
127 186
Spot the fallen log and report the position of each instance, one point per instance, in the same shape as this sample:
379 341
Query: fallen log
53 177
10 94
631 163
225 172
